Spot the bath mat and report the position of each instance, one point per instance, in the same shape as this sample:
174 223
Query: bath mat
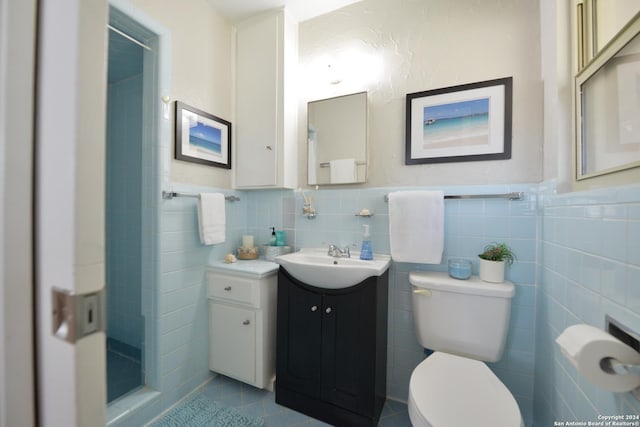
197 411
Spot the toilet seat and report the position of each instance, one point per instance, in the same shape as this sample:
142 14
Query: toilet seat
451 391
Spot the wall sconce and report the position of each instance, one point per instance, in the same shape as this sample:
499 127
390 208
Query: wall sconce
166 107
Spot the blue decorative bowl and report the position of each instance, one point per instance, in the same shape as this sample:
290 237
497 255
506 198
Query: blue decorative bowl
460 268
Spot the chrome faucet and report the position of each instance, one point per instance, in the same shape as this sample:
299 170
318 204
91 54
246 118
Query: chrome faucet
336 252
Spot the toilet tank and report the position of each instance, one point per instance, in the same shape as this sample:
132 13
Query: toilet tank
469 318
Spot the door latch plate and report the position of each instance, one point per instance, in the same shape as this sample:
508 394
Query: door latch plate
76 315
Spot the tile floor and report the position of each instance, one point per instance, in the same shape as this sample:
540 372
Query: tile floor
261 403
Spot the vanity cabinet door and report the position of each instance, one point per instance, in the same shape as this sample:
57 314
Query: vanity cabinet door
232 333
331 351
298 359
348 349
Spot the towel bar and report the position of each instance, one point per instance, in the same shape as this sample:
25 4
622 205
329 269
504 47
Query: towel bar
168 195
511 196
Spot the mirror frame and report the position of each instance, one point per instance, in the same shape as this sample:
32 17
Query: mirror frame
364 163
604 57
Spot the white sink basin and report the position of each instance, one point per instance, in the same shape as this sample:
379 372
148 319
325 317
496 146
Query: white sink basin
314 267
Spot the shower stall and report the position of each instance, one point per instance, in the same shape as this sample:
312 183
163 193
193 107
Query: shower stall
124 216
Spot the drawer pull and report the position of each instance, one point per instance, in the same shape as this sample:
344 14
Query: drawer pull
328 310
227 288
246 322
314 308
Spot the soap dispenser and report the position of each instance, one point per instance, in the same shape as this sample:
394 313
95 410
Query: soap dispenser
366 252
272 240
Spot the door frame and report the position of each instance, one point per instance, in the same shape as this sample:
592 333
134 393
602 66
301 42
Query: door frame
18 29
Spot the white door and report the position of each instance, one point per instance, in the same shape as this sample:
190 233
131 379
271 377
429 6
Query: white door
17 62
69 175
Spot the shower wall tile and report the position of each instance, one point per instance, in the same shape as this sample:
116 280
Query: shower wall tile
124 212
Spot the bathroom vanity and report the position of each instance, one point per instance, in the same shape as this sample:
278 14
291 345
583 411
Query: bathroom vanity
332 349
242 320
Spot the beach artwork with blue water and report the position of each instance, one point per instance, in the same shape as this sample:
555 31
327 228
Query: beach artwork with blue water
455 124
205 138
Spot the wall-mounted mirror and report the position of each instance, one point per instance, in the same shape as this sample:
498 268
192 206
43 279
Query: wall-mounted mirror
337 140
608 107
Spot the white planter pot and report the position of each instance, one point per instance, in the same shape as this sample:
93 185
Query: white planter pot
492 271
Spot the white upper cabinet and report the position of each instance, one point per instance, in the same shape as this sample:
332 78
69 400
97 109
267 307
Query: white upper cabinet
266 102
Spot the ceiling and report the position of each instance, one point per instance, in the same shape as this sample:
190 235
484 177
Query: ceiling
238 10
125 58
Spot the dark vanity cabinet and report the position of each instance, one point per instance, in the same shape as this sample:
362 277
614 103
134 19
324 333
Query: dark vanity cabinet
331 350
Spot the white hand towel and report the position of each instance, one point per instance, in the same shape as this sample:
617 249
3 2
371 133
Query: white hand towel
416 226
211 218
343 171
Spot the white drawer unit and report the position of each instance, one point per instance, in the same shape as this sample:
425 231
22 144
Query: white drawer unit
234 289
242 321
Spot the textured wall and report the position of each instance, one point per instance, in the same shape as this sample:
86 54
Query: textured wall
201 72
391 48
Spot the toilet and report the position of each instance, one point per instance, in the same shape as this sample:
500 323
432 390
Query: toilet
465 323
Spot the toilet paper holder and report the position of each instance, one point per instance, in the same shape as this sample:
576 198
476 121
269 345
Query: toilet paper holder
627 336
609 358
612 365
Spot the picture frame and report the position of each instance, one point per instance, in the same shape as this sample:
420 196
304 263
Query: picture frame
201 137
463 123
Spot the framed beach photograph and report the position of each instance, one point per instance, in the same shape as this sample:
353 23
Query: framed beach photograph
462 123
201 137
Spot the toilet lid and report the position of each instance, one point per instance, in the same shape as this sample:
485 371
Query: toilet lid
451 391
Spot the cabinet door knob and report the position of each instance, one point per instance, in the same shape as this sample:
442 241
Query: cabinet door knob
328 310
314 308
227 288
269 147
246 322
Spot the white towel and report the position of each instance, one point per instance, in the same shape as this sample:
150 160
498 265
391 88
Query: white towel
416 226
343 171
211 218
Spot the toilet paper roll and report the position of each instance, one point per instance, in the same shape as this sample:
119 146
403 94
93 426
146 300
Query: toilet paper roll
586 347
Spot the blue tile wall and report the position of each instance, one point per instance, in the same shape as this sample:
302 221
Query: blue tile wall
469 225
561 278
590 268
178 338
182 323
124 212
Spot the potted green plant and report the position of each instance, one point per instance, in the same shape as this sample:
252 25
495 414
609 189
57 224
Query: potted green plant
493 260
